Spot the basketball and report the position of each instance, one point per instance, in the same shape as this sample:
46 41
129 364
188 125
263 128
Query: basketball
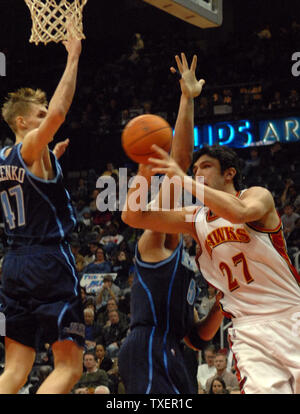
142 132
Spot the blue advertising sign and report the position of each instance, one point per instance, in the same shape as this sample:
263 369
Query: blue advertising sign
247 133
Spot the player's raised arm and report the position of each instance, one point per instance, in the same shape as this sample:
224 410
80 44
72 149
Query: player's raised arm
36 140
183 141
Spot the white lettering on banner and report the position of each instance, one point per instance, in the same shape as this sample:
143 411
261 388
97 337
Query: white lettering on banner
92 282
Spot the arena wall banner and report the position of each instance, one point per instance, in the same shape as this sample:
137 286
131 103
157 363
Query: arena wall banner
248 133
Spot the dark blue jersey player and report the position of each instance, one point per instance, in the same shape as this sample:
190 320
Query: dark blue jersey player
40 288
162 315
162 298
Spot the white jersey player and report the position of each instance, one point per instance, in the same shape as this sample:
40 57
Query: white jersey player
243 254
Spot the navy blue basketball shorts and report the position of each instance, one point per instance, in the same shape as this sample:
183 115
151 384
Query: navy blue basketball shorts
150 363
40 296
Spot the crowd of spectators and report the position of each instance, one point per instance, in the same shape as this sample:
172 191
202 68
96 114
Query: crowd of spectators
103 244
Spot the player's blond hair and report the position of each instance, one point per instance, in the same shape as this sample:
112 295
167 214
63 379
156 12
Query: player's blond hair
18 104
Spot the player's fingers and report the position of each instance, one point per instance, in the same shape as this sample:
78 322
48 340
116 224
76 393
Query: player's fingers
201 82
194 63
179 64
184 62
160 151
176 72
157 161
160 170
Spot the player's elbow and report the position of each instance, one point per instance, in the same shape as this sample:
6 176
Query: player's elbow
133 219
130 218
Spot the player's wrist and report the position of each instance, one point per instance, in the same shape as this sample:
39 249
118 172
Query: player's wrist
73 57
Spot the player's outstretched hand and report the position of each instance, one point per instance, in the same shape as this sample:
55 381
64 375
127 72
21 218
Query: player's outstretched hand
60 148
165 164
189 84
72 44
145 170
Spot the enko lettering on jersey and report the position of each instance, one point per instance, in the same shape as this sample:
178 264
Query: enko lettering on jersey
11 172
224 235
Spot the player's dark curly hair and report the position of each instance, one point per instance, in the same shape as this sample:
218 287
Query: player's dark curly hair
227 159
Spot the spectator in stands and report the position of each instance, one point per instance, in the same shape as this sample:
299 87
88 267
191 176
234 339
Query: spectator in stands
79 259
93 331
235 390
265 33
131 236
275 156
108 290
103 361
114 332
42 374
229 378
100 264
84 297
207 301
207 369
124 302
293 241
218 386
289 194
93 198
111 240
110 306
110 169
80 208
109 366
252 162
92 240
81 191
276 102
293 100
121 266
92 377
288 219
189 253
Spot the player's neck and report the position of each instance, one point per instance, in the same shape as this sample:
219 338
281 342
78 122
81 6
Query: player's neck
229 188
19 138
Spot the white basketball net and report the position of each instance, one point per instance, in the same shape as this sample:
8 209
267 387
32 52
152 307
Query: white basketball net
49 19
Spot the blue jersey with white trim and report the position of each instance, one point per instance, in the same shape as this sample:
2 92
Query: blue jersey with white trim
35 211
163 295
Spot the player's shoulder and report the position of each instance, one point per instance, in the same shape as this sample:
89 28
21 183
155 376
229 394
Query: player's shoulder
6 151
255 191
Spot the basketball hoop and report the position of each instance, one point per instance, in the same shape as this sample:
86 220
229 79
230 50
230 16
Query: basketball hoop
49 19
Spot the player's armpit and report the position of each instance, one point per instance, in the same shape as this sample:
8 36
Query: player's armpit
36 140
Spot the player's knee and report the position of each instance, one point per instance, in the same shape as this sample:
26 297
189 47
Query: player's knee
17 377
